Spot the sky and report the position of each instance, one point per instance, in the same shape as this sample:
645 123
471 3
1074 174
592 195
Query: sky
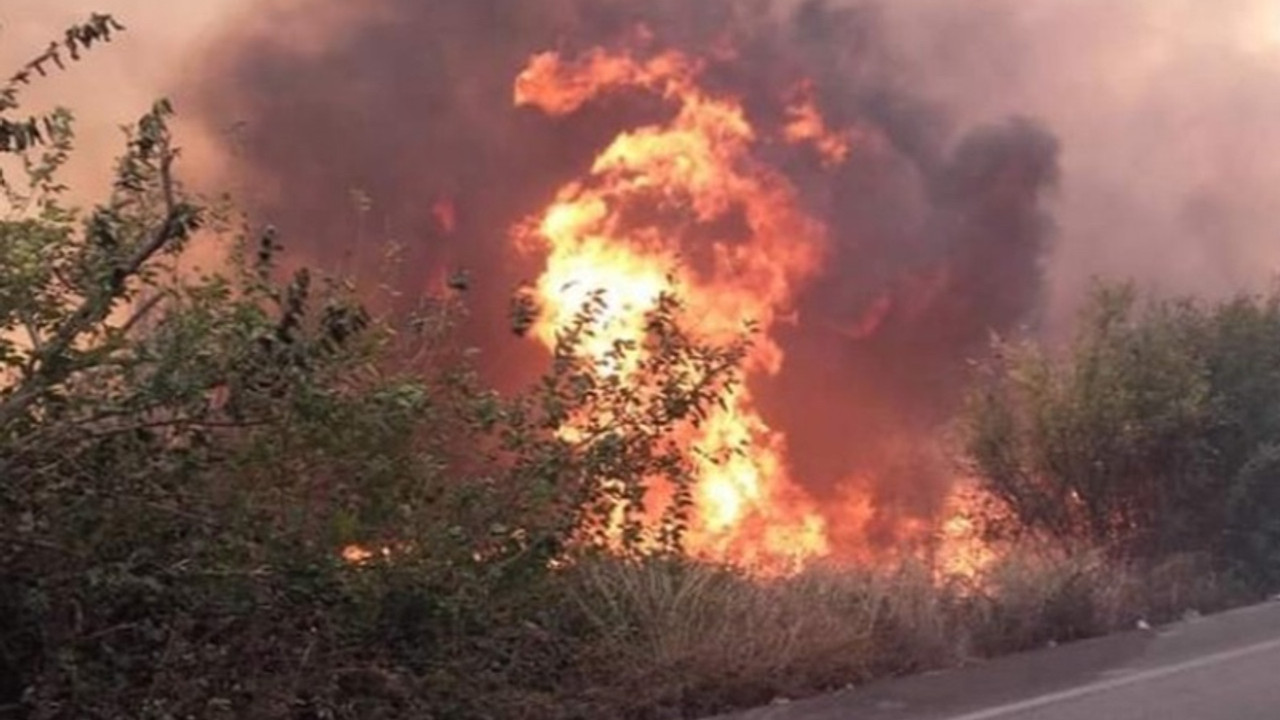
1167 111
163 41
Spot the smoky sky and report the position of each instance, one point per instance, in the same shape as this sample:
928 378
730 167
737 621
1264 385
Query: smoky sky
1166 108
1153 119
1168 112
938 232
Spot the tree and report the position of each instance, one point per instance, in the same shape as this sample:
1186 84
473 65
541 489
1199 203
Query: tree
1150 436
185 456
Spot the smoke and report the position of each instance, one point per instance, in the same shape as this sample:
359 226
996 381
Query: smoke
937 235
1166 112
1005 152
115 83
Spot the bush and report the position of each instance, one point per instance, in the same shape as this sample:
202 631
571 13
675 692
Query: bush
185 456
237 494
1152 436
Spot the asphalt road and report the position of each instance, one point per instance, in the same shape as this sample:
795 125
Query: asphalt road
1225 667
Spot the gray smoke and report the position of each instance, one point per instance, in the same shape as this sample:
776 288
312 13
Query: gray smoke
1167 110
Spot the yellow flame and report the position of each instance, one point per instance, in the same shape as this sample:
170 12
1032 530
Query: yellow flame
691 171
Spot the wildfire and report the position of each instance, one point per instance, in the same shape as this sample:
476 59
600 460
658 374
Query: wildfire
652 211
962 552
806 124
359 555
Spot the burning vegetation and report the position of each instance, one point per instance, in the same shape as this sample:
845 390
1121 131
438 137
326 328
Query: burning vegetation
685 207
760 159
747 270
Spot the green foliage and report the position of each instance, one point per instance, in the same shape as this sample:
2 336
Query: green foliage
1153 435
185 457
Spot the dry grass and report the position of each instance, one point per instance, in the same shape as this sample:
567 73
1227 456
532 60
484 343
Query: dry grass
701 639
676 640
1035 596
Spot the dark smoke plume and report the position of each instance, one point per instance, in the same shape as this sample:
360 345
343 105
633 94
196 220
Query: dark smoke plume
396 122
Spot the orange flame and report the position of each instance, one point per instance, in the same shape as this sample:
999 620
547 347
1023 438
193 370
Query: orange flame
357 555
962 551
626 229
806 124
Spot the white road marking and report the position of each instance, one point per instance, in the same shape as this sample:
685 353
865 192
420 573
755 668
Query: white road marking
1099 687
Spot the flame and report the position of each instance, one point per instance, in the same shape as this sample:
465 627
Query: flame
357 555
806 124
962 551
649 217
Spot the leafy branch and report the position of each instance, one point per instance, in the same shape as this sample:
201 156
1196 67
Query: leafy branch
151 157
20 135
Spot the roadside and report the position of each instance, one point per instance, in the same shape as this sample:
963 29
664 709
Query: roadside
1117 666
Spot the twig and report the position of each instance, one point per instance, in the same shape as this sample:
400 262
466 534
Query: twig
140 314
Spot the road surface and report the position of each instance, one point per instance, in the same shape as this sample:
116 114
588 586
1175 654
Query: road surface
1225 667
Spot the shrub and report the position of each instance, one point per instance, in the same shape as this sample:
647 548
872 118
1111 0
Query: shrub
185 455
1151 436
